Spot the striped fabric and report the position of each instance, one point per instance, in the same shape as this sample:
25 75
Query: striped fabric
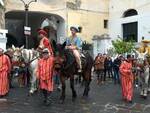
126 80
5 67
45 72
45 43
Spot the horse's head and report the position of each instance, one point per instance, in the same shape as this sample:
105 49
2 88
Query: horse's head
60 49
17 53
141 57
65 55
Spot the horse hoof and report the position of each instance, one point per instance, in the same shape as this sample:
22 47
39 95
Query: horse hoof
59 89
84 97
30 94
73 99
145 97
46 103
31 91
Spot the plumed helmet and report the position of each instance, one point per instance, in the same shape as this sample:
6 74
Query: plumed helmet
43 32
74 28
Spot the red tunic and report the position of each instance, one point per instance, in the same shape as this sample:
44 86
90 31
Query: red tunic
5 67
126 80
45 43
45 72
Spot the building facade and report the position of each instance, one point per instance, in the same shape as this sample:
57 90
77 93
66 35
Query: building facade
3 39
57 16
128 19
2 13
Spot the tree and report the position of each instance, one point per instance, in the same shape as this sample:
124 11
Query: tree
121 47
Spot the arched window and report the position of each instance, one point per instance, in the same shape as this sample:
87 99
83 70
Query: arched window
130 12
47 22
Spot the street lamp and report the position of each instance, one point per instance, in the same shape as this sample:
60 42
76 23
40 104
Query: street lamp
26 5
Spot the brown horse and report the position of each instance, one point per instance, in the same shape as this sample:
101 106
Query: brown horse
68 68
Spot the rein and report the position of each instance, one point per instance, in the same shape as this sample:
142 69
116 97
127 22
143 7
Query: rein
30 61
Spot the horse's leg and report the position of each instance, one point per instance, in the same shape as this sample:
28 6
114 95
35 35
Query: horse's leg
87 77
33 82
21 80
62 98
74 94
28 77
146 84
80 76
149 84
141 79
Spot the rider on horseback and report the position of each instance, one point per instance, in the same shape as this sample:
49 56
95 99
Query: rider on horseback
74 44
44 42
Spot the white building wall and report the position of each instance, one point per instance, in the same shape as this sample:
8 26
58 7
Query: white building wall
3 39
116 11
101 46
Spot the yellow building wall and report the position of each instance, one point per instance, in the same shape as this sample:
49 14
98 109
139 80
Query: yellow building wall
90 15
92 23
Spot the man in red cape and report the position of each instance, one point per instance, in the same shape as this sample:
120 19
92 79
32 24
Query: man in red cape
5 68
45 73
127 79
44 42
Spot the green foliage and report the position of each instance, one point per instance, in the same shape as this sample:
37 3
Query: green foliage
111 51
122 47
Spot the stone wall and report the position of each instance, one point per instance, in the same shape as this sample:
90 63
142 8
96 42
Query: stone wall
2 20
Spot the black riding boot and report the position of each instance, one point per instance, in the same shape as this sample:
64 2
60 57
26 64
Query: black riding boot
45 95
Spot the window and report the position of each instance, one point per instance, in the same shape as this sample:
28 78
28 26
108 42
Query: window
130 12
105 24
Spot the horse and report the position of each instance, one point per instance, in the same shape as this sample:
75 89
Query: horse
68 69
30 57
143 73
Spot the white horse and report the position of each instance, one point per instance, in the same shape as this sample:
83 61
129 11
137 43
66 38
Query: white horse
30 57
143 71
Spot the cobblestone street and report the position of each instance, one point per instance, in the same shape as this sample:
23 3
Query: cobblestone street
104 98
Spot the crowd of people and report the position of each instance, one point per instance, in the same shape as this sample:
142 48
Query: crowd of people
104 65
120 69
46 70
123 71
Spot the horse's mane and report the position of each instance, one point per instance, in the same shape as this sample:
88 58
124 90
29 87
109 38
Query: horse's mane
28 54
69 58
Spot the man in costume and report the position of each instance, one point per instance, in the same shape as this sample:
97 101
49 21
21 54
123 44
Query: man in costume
74 43
127 79
45 73
5 68
99 67
9 53
144 47
44 42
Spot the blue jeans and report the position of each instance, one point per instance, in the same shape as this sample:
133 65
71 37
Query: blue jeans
116 76
56 79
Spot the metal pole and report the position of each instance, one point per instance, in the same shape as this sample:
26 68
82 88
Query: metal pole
26 23
26 17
